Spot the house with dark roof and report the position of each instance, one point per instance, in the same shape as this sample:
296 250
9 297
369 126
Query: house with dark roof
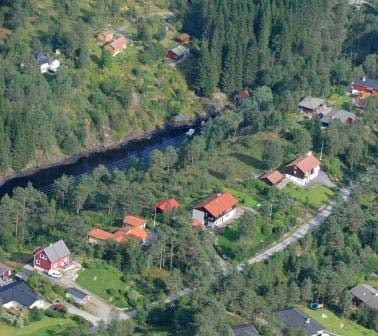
293 317
273 177
245 330
343 116
5 272
311 105
53 257
19 295
77 296
215 210
365 294
366 85
303 170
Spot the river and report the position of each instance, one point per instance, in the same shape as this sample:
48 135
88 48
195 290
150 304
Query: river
42 179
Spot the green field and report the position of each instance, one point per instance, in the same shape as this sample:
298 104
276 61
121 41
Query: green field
314 196
335 324
105 281
46 327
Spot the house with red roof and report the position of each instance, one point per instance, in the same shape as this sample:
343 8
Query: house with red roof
98 236
133 221
273 177
167 205
117 46
215 210
105 36
53 257
303 170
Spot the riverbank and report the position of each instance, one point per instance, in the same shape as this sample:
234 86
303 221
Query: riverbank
84 161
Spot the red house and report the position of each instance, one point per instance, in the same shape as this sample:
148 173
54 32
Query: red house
5 272
167 205
363 84
55 256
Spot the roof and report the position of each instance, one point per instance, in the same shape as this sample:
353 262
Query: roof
134 221
18 291
119 236
138 233
342 115
118 43
218 204
179 51
4 268
245 330
106 33
77 293
57 251
293 317
184 38
100 234
43 58
366 294
167 204
273 177
305 163
367 82
242 95
311 103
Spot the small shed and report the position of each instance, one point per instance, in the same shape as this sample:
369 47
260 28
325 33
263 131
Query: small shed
5 272
272 178
183 39
77 296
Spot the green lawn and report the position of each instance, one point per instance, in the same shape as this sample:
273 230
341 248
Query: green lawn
335 324
314 196
46 327
105 281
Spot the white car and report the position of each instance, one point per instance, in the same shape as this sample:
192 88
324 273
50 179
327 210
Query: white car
55 274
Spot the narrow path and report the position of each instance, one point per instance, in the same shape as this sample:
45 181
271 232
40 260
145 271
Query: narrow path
299 233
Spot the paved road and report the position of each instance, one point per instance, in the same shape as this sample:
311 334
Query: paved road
299 233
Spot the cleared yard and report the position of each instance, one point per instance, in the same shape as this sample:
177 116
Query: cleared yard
335 324
105 281
46 327
314 196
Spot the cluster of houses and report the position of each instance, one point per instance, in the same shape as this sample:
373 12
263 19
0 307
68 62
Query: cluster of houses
301 172
112 44
180 52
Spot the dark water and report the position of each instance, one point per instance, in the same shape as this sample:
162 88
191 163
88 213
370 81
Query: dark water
112 159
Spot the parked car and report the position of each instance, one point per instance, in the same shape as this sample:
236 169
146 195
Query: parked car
55 274
190 132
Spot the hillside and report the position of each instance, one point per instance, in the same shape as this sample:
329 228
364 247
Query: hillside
93 99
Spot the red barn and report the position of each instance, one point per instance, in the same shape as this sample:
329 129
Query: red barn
55 256
5 272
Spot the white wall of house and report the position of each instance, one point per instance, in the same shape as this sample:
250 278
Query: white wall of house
11 304
222 219
306 179
37 304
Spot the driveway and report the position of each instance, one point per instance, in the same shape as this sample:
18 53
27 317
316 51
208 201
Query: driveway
311 225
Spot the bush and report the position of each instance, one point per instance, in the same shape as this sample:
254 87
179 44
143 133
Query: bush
36 314
56 313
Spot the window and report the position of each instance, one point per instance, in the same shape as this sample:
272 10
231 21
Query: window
37 262
43 256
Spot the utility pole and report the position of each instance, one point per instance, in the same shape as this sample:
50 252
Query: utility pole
321 151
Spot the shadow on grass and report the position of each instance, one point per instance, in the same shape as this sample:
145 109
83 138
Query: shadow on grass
21 257
217 174
249 160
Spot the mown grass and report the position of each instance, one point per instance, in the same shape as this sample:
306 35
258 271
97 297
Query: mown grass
46 327
314 196
105 281
337 325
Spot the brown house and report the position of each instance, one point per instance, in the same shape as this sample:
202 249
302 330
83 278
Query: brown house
183 39
117 46
105 36
272 178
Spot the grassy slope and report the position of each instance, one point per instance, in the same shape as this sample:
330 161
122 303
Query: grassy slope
47 326
335 324
99 277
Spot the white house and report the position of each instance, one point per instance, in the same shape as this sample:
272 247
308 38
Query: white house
19 295
46 63
215 210
303 170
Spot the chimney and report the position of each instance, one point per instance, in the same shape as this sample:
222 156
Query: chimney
309 153
308 320
364 79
